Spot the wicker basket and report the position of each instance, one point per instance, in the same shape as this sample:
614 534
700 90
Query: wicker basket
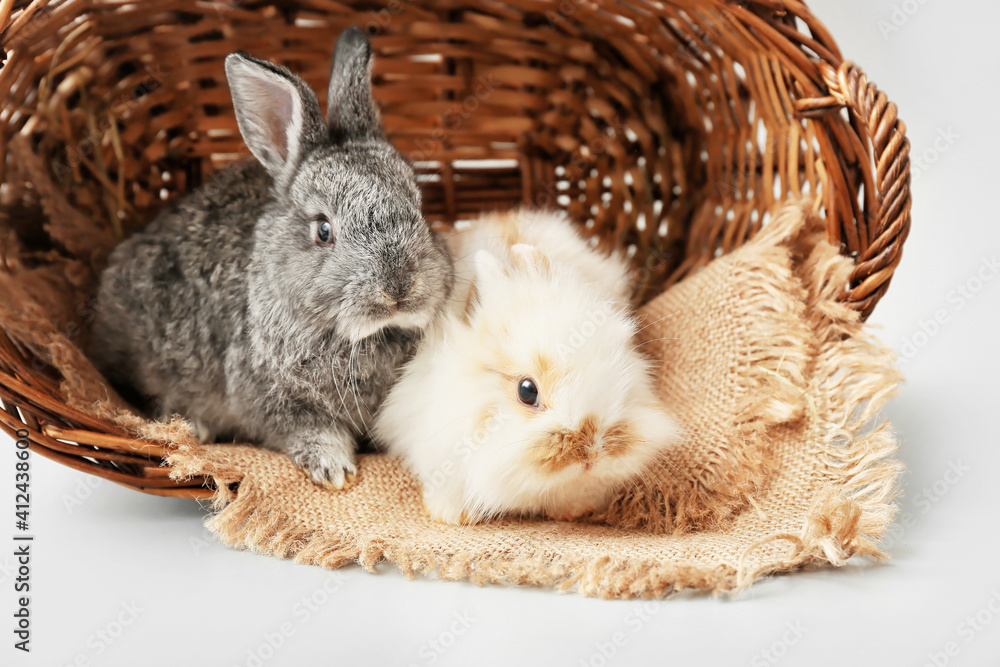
667 127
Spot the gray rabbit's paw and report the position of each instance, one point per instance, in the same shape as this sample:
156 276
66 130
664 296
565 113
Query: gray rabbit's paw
327 458
203 432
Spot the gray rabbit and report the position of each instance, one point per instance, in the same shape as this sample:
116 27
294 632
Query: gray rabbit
277 302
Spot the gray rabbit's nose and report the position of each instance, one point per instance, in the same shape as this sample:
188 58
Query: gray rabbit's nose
388 299
395 291
397 283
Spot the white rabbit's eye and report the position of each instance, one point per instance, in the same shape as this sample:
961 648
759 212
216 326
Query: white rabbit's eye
527 392
324 231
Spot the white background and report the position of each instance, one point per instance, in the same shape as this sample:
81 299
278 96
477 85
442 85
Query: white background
202 603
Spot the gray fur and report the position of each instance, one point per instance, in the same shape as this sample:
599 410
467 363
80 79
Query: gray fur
225 309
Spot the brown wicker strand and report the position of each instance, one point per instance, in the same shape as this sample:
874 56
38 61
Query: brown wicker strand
876 264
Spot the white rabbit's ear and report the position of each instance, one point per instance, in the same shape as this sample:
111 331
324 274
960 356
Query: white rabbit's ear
490 278
278 114
351 113
489 271
529 258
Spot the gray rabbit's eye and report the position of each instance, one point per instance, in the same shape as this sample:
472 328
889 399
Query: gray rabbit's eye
324 231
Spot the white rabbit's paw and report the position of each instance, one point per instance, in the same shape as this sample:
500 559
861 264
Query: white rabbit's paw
439 509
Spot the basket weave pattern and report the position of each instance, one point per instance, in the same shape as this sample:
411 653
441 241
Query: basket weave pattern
667 128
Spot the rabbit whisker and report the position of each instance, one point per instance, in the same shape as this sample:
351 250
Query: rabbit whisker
352 373
343 402
656 340
655 321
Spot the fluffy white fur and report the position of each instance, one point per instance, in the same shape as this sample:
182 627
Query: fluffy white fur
532 300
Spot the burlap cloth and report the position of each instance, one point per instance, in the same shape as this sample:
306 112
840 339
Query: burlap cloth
776 386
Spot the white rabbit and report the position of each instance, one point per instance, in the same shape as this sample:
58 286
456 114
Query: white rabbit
527 396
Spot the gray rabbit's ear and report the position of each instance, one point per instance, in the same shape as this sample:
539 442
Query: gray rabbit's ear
278 114
350 109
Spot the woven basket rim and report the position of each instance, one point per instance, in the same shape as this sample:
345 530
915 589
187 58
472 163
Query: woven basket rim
865 150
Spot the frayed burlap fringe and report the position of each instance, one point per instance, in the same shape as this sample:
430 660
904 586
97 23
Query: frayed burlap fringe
784 463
